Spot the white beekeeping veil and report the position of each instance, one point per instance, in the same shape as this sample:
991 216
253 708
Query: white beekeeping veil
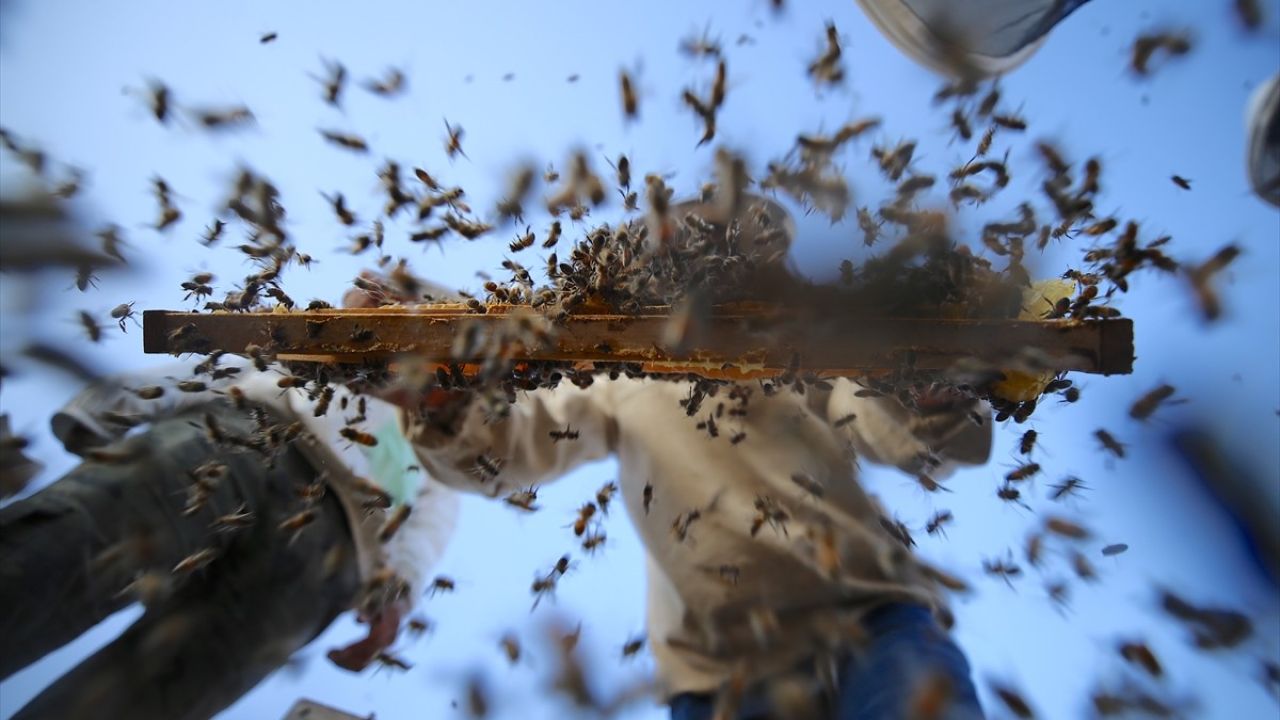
1262 121
968 38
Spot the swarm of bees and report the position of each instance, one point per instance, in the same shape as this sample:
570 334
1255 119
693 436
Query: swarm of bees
688 255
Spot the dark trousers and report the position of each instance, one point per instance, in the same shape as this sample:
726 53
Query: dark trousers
68 553
908 668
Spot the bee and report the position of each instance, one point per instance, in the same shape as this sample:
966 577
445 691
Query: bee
392 84
828 68
393 523
1144 406
195 561
805 482
1010 122
680 526
647 497
961 124
418 625
440 584
632 647
223 119
1082 567
287 382
630 102
567 433
358 437
1065 528
1013 701
605 495
334 83
1114 549
929 484
1102 227
191 386
984 145
553 235
1250 13
90 325
160 101
524 499
737 437
1181 182
585 513
1109 442
845 420
453 140
1023 472
510 647
1145 47
388 660
592 542
1009 493
936 523
349 141
1034 548
989 101
238 518
488 467
296 522
1027 442
1004 569
339 204
1069 486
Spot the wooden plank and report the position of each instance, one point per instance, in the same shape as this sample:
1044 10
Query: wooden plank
748 340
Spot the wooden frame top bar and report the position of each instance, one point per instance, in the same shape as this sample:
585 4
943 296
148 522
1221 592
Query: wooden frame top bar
751 340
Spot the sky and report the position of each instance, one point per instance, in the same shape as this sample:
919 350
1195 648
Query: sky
70 76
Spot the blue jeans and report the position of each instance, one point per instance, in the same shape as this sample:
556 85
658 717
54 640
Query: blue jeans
884 681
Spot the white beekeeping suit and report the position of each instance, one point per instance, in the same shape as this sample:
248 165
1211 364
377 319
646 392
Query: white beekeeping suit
973 38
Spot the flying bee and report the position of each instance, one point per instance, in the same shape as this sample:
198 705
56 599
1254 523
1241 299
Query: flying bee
195 561
241 517
1065 528
961 125
392 84
1009 493
592 542
524 499
1010 122
349 141
90 325
585 513
393 523
1138 653
1027 442
807 483
1013 701
1004 569
523 241
1145 47
358 437
296 522
1023 472
984 145
440 584
989 101
936 523
647 497
122 312
1034 549
1082 567
1144 406
1109 442
1181 182
417 626
510 647
685 520
632 647
488 467
334 82
339 204
191 386
1069 486
453 140
605 495
630 102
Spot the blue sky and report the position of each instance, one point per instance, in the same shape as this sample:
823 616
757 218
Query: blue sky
65 69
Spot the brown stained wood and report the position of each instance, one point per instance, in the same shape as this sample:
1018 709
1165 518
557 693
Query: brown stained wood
736 342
